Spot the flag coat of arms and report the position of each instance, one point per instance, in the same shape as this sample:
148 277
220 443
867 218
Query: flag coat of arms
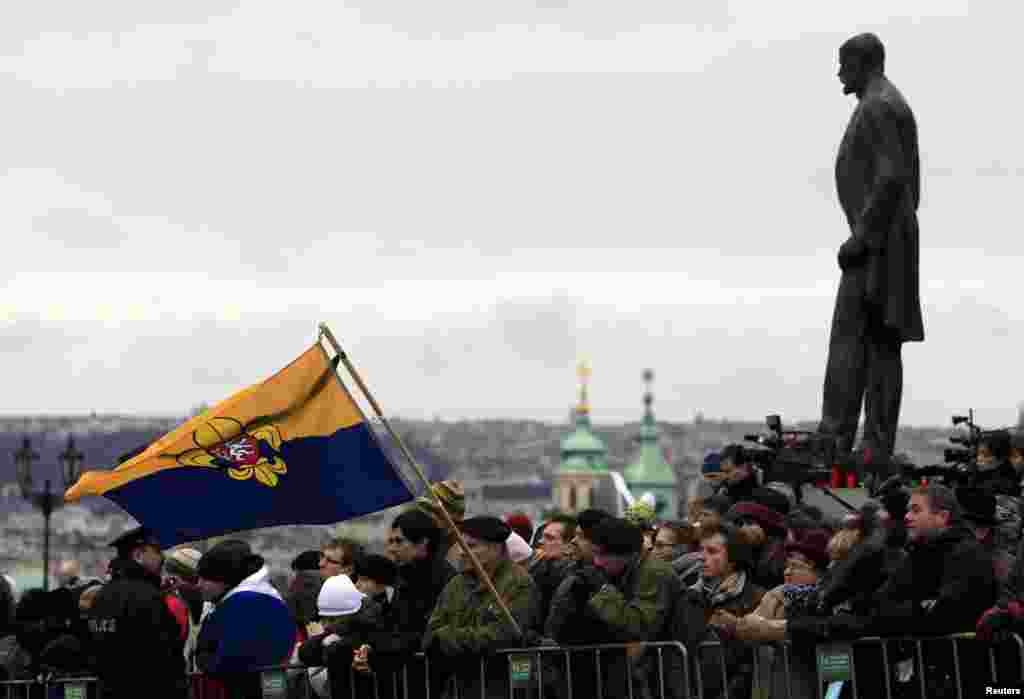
294 449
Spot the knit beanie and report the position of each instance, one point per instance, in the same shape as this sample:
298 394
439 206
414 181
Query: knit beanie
339 597
231 561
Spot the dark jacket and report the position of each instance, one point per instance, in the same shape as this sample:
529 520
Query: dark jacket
946 582
878 179
740 491
400 633
302 595
547 576
568 621
137 640
771 564
354 631
1001 480
850 585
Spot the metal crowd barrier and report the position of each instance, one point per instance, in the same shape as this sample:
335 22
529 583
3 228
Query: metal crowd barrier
47 687
894 667
606 671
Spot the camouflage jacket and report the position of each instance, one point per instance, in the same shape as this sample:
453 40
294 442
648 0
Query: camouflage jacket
467 619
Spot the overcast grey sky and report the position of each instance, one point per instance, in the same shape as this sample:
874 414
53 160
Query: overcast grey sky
474 194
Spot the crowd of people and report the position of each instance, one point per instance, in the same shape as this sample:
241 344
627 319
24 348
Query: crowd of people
746 564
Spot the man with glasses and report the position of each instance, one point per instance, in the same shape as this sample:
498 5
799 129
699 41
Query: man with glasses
338 557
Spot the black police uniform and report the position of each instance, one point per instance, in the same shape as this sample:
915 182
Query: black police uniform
138 647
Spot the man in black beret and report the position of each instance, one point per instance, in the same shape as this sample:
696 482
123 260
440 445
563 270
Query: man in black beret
137 638
468 622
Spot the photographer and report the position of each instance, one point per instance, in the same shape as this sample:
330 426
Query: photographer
739 476
995 473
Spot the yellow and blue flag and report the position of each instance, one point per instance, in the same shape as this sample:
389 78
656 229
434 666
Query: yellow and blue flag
295 449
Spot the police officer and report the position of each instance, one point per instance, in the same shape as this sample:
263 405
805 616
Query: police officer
138 642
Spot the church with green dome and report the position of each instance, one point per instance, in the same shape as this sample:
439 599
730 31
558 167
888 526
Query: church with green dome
584 457
649 472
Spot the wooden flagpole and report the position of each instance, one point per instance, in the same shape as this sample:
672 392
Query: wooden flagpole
326 332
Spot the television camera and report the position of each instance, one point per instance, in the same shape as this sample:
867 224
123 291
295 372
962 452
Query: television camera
796 457
960 463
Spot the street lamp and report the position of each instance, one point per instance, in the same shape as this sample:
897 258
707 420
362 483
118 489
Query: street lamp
47 501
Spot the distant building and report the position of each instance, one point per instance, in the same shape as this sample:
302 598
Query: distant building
584 458
649 472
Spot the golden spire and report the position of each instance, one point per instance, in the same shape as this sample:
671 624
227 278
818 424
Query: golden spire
583 371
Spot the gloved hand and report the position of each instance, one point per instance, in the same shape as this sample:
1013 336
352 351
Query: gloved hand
997 621
533 639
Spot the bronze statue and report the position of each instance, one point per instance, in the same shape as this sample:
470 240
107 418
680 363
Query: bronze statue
878 306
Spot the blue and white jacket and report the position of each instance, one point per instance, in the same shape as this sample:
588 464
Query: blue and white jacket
249 628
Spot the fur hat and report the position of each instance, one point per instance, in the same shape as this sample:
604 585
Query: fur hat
339 597
451 495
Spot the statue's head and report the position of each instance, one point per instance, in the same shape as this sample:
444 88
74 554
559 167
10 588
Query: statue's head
860 58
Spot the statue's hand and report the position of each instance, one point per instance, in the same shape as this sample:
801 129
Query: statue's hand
851 253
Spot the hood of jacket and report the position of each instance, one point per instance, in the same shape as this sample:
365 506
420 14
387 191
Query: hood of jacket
257 582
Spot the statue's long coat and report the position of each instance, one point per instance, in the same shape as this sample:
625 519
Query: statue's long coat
881 140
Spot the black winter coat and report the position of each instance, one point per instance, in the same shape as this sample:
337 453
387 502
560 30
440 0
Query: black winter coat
943 587
401 629
547 576
137 639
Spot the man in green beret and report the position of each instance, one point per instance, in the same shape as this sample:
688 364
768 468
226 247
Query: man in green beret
468 622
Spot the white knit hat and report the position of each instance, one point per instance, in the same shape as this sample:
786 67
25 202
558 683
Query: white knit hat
339 597
518 549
